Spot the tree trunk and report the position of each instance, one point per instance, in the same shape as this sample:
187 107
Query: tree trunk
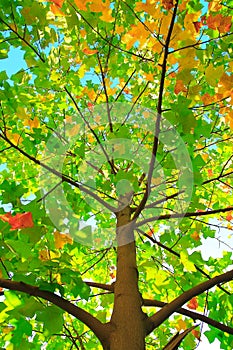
128 320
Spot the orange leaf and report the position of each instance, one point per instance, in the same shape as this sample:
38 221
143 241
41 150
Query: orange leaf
32 123
56 10
74 130
229 216
44 255
195 236
210 172
107 16
19 220
81 4
193 304
150 232
61 239
179 87
196 334
88 51
5 217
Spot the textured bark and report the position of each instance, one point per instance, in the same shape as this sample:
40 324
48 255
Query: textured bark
128 320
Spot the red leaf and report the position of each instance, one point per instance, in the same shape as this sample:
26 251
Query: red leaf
223 24
193 304
19 220
168 4
150 232
112 275
229 216
197 26
90 106
59 3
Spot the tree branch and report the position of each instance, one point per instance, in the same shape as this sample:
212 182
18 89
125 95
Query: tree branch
181 215
173 252
23 39
150 303
101 330
59 175
159 115
157 319
194 315
90 128
200 43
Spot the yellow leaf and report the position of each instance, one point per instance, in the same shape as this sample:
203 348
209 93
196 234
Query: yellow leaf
61 239
10 347
21 113
188 265
160 278
82 71
44 255
75 130
54 76
32 123
215 6
16 139
181 325
90 138
68 119
213 74
166 20
150 6
97 119
136 33
120 148
7 329
229 118
227 81
156 181
107 16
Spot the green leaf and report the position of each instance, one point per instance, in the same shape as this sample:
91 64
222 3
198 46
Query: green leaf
22 328
52 319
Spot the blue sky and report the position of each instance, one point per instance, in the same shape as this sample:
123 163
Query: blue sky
14 62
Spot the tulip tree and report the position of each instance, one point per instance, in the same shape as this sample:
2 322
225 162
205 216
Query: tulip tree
116 148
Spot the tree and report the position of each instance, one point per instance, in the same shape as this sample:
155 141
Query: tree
116 145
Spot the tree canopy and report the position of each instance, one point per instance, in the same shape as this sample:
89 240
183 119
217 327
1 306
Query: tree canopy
116 152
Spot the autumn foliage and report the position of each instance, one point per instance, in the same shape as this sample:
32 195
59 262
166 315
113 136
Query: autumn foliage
116 210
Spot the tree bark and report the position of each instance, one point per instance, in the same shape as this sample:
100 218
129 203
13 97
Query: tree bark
128 320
